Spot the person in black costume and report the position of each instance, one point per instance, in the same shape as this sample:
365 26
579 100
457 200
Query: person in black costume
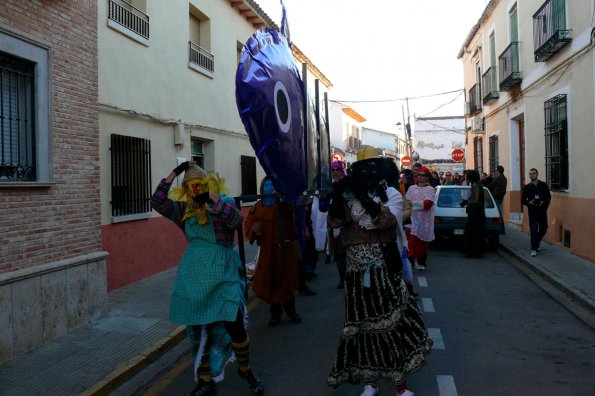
475 227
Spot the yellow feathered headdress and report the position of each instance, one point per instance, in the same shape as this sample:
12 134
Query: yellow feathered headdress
215 184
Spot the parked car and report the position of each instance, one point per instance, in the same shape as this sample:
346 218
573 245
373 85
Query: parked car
450 217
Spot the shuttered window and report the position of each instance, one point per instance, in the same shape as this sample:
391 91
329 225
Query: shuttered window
131 175
494 153
478 153
248 169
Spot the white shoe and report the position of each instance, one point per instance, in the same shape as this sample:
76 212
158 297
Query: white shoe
533 253
406 392
369 390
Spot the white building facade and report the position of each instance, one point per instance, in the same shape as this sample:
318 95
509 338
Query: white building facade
167 94
435 138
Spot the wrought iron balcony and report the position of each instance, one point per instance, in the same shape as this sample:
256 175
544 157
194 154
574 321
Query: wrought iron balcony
508 62
490 85
549 30
475 99
127 15
201 57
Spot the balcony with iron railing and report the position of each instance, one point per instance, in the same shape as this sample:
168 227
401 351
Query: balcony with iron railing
549 30
510 71
130 17
490 85
201 57
475 99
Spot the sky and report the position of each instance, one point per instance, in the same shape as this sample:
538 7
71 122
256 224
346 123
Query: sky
382 50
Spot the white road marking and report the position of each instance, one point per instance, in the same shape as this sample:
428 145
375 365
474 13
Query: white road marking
436 336
427 304
423 282
446 385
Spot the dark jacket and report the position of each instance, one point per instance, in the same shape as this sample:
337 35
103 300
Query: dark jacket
541 189
498 187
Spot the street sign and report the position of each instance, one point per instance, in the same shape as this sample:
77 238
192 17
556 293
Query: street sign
458 155
337 156
406 161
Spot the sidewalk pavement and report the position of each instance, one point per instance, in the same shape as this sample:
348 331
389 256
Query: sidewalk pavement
135 331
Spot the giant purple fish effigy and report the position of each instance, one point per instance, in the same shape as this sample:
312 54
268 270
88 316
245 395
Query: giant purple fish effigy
269 96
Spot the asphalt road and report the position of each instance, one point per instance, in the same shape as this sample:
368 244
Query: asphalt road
495 332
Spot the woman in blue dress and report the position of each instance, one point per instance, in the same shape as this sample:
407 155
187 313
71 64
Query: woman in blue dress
207 295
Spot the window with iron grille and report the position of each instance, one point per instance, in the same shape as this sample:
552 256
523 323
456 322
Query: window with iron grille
131 175
198 152
24 111
17 134
248 169
556 143
494 153
478 153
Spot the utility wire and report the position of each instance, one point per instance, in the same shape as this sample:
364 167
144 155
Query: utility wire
460 132
444 104
396 100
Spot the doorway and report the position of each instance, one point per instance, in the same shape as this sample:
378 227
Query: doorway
521 124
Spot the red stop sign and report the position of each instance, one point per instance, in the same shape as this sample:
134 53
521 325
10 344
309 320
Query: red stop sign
337 157
458 155
406 161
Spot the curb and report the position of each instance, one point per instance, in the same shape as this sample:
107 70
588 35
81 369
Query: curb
126 371
135 365
554 280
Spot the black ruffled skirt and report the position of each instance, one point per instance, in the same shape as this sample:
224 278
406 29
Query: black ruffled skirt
384 335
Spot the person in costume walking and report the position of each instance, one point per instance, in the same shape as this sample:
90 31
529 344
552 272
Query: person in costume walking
338 250
421 196
269 223
208 293
475 225
383 336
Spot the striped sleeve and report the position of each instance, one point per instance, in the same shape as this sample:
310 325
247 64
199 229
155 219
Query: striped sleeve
230 215
166 207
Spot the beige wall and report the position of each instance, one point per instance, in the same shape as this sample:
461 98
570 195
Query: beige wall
156 79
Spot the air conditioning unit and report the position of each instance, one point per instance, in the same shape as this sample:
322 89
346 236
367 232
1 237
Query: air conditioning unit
476 124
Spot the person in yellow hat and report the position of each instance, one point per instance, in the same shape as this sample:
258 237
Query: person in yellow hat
208 294
383 336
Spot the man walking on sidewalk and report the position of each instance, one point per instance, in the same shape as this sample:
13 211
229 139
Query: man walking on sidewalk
536 195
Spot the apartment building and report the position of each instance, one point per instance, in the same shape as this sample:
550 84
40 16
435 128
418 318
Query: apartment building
388 142
167 94
528 70
345 130
52 265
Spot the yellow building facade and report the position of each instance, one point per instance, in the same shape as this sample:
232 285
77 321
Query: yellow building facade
529 86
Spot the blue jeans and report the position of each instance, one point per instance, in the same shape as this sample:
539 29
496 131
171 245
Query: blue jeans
538 226
499 205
